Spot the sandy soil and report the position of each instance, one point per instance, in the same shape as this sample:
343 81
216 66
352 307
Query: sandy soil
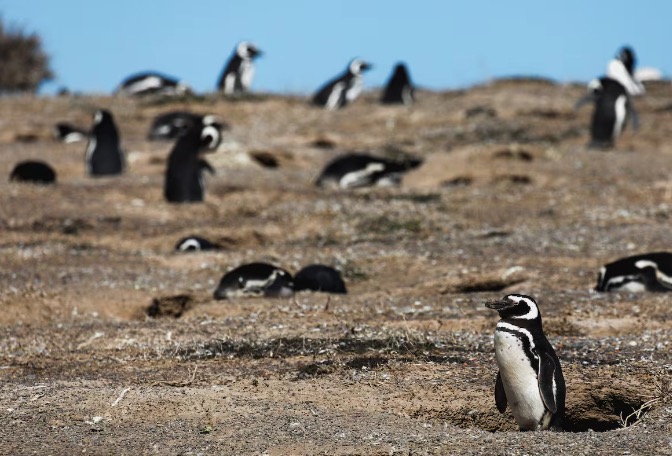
509 199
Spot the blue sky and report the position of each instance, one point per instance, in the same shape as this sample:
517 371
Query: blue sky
94 44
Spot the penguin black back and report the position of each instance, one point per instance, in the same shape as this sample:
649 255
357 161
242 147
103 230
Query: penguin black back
34 171
104 156
318 277
184 174
399 89
645 272
530 377
255 279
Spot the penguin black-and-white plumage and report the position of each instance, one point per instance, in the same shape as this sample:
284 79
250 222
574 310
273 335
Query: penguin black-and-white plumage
33 171
360 170
195 244
152 83
237 75
68 133
255 280
622 69
645 272
613 108
399 89
318 277
104 156
343 89
172 124
530 378
184 174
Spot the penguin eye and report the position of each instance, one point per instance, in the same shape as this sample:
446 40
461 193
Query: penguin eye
241 282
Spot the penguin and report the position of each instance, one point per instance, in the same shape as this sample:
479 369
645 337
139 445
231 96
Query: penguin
195 243
318 277
622 69
612 109
68 133
530 378
152 83
104 156
34 171
184 174
399 89
255 279
645 272
360 170
343 89
237 75
172 124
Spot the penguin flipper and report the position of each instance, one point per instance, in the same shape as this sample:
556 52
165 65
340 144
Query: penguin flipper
203 164
500 394
545 380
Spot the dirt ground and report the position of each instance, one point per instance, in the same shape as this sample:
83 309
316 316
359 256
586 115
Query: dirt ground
508 199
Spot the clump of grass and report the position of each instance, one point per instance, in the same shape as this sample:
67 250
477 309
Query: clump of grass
387 225
662 395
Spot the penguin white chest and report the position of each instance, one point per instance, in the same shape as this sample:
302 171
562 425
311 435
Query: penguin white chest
520 381
246 74
355 88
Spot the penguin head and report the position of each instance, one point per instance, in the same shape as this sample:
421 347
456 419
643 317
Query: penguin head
627 55
400 70
358 66
211 134
247 51
516 306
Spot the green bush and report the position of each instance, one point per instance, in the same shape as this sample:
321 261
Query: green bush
23 63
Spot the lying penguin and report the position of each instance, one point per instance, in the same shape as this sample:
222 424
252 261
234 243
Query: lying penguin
33 171
645 272
361 170
270 281
255 280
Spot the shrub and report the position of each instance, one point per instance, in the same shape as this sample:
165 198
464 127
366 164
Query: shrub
23 63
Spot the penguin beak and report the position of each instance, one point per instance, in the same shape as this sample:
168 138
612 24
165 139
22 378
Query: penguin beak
255 53
366 66
499 305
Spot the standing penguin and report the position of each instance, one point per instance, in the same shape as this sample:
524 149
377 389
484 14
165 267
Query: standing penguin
399 89
237 75
343 89
184 175
530 379
613 108
104 156
622 69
